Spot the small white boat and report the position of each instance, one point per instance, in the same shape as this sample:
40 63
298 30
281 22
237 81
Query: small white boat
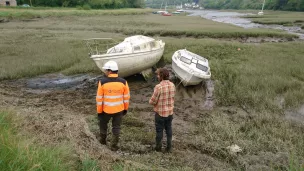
180 10
134 55
190 68
160 12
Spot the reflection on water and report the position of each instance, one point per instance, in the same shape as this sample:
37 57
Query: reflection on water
235 19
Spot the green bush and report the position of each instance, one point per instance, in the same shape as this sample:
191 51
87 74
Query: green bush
86 7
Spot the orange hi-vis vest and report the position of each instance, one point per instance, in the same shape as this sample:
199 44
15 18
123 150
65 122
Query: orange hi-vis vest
113 95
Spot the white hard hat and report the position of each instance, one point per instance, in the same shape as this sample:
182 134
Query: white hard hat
110 65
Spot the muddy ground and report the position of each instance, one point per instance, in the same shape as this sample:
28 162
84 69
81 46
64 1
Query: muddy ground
66 115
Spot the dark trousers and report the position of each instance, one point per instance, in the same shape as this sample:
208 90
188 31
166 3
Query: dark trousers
116 122
162 123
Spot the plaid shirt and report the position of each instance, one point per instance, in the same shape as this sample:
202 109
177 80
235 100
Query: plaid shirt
163 98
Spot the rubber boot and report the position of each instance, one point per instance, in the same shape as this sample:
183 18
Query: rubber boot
158 146
103 139
115 140
169 148
169 145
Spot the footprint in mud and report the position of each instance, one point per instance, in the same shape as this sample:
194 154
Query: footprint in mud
191 92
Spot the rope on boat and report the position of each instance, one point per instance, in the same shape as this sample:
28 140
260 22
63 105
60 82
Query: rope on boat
191 71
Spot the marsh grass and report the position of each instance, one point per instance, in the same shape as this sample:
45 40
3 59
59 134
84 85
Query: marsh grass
16 13
267 142
279 17
197 27
17 154
89 165
260 134
133 21
252 77
136 134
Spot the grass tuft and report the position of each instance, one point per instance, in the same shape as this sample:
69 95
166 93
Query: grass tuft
19 155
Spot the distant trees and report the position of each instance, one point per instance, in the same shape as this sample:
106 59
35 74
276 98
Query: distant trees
92 3
291 5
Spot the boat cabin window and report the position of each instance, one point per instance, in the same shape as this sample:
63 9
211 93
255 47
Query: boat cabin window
136 48
201 67
152 44
115 50
186 60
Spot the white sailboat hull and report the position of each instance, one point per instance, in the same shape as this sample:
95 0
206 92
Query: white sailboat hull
130 63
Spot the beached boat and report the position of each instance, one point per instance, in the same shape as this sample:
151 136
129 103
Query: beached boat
166 14
190 68
180 10
134 55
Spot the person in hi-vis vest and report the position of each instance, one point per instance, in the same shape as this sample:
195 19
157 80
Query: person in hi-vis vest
112 100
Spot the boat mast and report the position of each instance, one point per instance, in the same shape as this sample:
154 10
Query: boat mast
161 5
263 5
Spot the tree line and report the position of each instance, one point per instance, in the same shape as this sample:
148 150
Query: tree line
290 5
97 4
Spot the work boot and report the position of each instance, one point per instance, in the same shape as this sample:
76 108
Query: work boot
169 145
168 149
103 139
158 147
115 140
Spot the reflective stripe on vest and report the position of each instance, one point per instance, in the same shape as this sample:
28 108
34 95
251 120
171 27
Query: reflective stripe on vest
99 97
113 97
113 103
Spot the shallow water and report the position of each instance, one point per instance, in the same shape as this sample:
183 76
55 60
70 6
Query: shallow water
57 81
235 19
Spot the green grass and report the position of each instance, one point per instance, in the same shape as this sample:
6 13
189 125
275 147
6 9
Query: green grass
31 13
266 141
253 77
17 154
89 165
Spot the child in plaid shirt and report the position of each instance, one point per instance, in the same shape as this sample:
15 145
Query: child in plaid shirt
163 102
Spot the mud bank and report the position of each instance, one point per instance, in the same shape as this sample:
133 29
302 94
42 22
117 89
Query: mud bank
235 19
